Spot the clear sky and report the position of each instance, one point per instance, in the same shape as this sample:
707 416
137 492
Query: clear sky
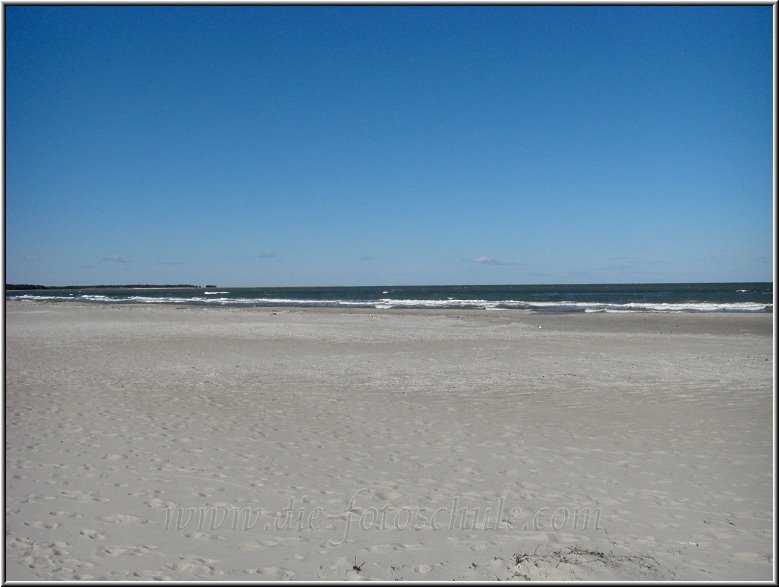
388 145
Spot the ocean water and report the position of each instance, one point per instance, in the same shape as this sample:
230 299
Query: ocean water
676 297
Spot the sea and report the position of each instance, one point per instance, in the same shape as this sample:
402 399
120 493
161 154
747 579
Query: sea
657 297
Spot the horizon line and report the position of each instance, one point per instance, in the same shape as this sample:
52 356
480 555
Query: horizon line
17 286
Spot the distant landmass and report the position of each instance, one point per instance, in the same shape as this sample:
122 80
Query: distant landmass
18 286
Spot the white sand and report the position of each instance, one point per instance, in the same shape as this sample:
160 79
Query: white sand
659 426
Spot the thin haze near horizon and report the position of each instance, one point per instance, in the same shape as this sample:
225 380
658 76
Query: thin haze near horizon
260 145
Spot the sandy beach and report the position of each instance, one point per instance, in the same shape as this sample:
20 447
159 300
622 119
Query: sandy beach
164 442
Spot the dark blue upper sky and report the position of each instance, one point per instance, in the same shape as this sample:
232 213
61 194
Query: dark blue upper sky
256 145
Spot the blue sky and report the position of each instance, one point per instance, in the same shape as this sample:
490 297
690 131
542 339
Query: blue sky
388 145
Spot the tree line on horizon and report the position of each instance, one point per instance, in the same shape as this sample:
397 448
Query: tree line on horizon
29 286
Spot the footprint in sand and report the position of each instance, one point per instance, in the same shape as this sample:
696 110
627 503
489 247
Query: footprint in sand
65 514
415 546
192 568
152 576
113 551
114 457
93 534
203 536
45 525
59 548
156 502
195 565
34 498
210 491
82 495
275 572
387 495
124 519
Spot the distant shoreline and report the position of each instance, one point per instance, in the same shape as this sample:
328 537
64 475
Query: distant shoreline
31 287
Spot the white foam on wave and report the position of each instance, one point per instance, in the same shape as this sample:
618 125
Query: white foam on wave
695 307
589 307
450 303
213 293
32 297
674 307
290 302
161 300
387 303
